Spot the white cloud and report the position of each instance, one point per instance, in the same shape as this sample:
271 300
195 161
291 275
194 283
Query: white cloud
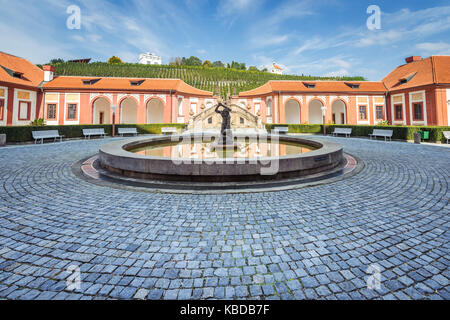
407 25
269 40
434 48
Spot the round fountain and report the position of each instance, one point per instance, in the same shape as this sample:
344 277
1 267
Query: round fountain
221 162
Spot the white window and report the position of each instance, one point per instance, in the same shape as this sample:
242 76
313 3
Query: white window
194 108
269 108
24 110
180 106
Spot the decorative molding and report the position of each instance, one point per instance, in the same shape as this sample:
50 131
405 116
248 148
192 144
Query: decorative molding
310 98
297 97
123 95
345 98
95 95
160 96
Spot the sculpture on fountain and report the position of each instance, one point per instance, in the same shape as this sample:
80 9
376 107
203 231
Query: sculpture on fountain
226 139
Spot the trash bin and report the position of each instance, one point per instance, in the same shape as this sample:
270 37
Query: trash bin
424 135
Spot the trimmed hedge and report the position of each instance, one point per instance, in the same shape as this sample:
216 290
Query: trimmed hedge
400 132
23 133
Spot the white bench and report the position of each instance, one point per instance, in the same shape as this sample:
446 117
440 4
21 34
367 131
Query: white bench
169 130
88 133
123 131
46 134
446 135
382 133
281 130
346 131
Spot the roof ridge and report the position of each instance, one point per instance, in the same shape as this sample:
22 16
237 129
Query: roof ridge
125 78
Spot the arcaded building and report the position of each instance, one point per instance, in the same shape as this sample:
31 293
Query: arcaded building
416 93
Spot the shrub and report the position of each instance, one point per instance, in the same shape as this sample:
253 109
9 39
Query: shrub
23 133
400 132
38 122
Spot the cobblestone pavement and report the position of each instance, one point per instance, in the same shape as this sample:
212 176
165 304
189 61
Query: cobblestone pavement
317 242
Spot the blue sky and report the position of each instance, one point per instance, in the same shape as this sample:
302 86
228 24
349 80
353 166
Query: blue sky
317 37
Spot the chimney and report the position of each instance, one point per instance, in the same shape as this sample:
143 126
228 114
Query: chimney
48 73
413 59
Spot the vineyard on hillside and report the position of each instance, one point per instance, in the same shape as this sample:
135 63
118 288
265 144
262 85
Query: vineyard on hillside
223 81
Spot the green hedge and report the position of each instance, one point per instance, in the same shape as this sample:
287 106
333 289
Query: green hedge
400 132
23 133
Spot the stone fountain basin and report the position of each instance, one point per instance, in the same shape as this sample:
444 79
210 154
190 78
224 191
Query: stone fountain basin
114 157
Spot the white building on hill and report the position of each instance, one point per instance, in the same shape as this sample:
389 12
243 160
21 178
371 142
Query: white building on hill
150 58
276 69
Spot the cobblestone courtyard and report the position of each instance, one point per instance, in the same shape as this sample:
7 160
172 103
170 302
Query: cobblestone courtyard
309 243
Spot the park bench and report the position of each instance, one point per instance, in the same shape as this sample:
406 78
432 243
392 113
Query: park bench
47 134
382 133
282 130
123 131
346 131
169 130
446 135
88 133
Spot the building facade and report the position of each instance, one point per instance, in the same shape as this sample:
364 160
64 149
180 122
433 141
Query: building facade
20 95
88 100
150 58
276 69
416 93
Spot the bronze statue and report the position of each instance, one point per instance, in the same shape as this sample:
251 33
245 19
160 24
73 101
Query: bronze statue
226 118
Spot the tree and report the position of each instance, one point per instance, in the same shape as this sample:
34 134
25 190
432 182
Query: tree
177 61
55 61
238 66
264 70
252 68
114 60
218 64
235 65
193 61
207 64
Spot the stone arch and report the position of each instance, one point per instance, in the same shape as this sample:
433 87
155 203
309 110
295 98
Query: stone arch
315 111
101 110
128 110
339 111
292 112
155 110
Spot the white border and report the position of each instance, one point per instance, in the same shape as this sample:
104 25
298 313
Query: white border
375 108
424 100
403 122
52 122
66 102
448 107
368 110
5 109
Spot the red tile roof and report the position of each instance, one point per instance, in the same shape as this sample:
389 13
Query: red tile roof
320 86
120 84
432 70
32 76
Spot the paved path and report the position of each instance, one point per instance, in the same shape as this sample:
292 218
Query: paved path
309 243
